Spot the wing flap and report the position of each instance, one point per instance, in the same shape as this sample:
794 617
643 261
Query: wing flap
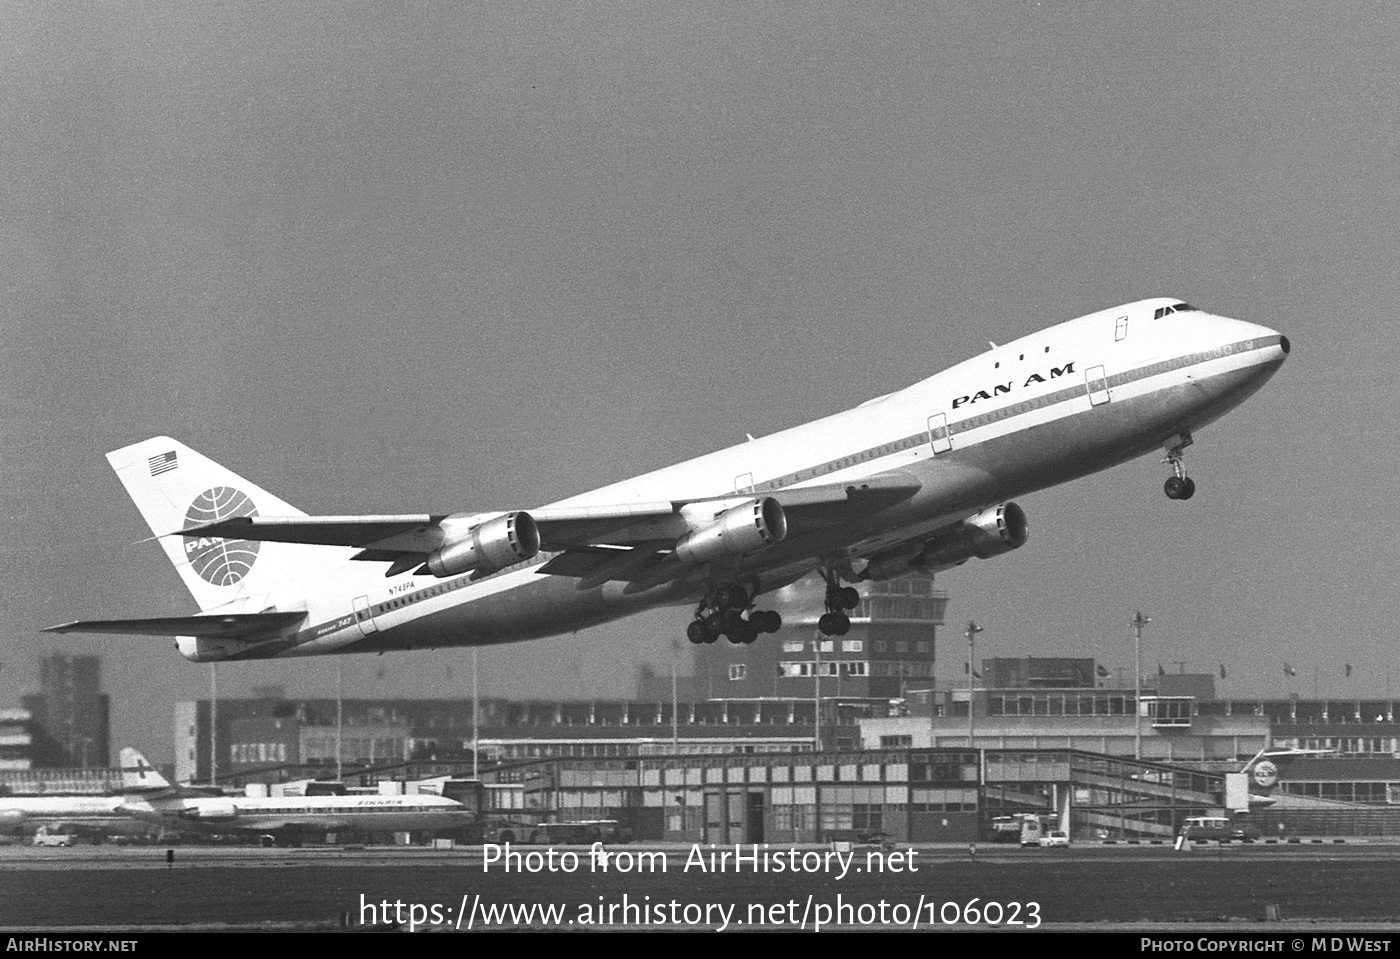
594 565
225 626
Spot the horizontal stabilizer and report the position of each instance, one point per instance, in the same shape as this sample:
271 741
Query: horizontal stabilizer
226 626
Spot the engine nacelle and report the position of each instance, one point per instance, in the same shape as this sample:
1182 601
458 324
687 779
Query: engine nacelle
989 533
741 529
487 547
215 810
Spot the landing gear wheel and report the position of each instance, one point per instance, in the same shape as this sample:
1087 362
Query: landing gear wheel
697 632
767 621
1178 486
742 634
850 597
834 624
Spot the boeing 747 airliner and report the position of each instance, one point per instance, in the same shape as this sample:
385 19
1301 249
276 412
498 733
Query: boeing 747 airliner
922 479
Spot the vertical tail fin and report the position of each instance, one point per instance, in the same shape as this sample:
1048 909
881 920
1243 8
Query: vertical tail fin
139 775
176 488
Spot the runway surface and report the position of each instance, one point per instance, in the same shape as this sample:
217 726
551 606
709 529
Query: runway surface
1352 886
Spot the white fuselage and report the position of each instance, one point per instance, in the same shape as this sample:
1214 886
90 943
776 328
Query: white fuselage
303 813
38 810
1070 400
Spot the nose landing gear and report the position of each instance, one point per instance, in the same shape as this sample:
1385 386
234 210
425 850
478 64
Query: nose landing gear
1179 486
835 621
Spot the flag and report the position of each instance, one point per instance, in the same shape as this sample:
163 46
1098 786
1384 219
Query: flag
1160 670
1222 670
1348 670
975 673
1289 670
1102 671
163 463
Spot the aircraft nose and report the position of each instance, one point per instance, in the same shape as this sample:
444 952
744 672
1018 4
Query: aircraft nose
1275 344
1272 345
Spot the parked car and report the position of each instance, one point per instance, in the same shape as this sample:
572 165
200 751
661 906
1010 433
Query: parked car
1054 838
1218 828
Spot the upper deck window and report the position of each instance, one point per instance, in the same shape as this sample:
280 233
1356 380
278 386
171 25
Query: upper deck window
1174 308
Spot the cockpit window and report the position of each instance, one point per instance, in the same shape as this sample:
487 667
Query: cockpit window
1174 308
1182 307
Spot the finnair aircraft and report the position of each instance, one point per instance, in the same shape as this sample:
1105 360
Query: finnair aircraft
921 479
152 798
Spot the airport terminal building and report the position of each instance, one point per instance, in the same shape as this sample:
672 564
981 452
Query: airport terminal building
801 737
740 750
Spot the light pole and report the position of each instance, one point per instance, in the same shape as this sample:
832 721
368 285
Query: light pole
339 717
213 724
972 630
1138 622
476 718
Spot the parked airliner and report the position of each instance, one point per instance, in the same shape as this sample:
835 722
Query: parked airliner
922 479
152 798
96 811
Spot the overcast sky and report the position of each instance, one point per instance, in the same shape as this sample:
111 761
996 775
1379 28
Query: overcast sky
440 257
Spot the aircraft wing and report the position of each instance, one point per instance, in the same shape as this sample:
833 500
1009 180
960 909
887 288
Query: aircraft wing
560 526
225 626
423 532
583 534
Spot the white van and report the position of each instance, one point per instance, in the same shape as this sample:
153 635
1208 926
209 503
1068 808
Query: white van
45 838
1218 828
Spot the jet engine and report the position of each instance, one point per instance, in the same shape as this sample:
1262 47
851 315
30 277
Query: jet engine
989 533
740 529
486 547
215 810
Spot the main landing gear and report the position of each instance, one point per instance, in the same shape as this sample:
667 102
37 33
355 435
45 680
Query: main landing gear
722 613
835 622
1179 486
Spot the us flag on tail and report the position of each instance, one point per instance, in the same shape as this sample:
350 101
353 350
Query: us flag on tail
163 463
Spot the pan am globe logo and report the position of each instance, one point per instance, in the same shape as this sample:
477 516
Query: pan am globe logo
222 562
